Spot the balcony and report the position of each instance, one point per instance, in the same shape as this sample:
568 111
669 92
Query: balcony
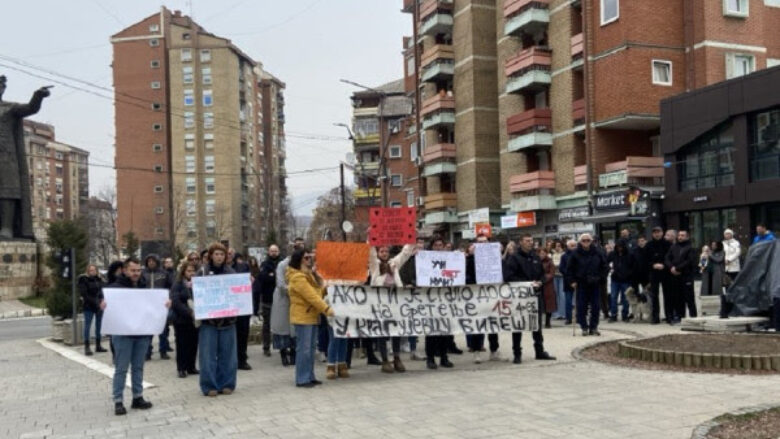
535 191
439 168
525 16
638 171
366 139
370 168
580 176
363 193
439 151
435 17
577 45
530 129
437 63
442 217
578 112
441 200
528 70
365 112
408 5
438 110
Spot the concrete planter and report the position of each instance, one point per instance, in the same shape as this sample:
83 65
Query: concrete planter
62 330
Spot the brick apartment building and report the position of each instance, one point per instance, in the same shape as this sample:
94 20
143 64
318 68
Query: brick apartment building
190 152
274 206
59 177
551 107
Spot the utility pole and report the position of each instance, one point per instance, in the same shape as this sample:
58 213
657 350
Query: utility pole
343 204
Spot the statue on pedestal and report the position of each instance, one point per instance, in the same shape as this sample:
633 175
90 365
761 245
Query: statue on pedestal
15 208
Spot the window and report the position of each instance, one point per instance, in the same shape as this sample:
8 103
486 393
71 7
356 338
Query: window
395 151
189 164
772 62
410 66
205 55
772 3
186 36
189 97
208 143
154 28
764 138
156 106
610 11
190 206
662 72
395 204
155 85
209 163
155 64
207 98
211 228
189 184
208 120
708 161
158 189
738 64
156 127
206 74
187 76
154 42
735 8
158 168
186 55
396 180
159 210
210 207
413 151
366 126
159 231
189 119
211 186
410 198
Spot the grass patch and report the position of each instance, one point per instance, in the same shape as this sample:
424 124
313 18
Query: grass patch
745 417
35 302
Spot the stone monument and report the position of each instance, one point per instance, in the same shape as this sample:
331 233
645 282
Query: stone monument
18 251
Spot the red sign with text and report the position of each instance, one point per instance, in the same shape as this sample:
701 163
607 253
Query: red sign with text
392 226
526 219
483 229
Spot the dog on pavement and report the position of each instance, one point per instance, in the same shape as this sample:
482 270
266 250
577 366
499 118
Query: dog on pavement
640 305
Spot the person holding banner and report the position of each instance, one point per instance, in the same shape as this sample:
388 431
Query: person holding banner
385 272
217 338
184 320
524 266
306 304
438 344
476 342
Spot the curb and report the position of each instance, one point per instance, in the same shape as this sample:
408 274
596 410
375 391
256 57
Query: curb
696 359
95 365
24 313
702 430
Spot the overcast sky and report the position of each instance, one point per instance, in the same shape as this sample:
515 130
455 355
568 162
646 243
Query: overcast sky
309 44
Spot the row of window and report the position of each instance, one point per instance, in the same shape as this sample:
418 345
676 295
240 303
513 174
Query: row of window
396 153
189 120
186 55
189 164
737 64
209 184
610 9
189 98
188 77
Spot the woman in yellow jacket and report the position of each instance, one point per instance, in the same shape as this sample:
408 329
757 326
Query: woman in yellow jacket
306 305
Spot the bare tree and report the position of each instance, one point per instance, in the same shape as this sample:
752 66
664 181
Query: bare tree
326 224
101 222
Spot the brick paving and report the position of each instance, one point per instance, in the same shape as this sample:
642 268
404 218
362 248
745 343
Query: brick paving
46 395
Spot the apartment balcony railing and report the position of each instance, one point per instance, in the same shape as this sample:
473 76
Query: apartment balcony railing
580 176
578 111
439 168
577 45
441 217
641 171
529 129
436 17
438 110
528 70
441 200
525 16
437 62
439 151
533 191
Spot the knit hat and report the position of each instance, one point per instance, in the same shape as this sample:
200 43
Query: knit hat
728 231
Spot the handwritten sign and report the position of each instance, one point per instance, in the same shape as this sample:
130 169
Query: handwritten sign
363 311
487 261
228 295
392 226
440 269
133 311
347 261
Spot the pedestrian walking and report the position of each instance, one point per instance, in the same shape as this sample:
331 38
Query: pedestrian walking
184 324
90 286
586 269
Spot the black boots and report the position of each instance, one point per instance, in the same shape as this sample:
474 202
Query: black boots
285 359
518 356
99 348
119 409
87 350
541 354
292 356
141 403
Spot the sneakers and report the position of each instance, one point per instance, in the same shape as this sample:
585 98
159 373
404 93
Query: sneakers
119 409
164 356
495 356
477 358
387 367
140 403
330 372
585 333
416 357
212 393
227 391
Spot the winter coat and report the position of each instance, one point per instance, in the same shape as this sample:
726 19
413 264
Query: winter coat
471 270
408 272
182 313
396 263
655 253
586 267
768 236
548 285
210 270
306 293
157 278
123 281
91 291
712 277
641 273
683 258
280 309
562 268
556 258
523 267
733 250
622 266
266 280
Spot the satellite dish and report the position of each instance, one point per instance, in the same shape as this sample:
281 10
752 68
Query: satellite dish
350 158
347 227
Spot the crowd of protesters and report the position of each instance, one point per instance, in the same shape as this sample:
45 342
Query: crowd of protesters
288 298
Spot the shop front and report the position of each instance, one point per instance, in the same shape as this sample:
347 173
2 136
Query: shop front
635 209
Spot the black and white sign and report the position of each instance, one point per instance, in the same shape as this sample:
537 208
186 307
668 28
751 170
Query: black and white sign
573 213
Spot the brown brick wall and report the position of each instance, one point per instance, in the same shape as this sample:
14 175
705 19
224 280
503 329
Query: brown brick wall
657 22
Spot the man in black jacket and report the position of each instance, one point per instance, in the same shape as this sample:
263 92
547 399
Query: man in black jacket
156 277
242 322
524 266
263 292
585 271
681 262
655 255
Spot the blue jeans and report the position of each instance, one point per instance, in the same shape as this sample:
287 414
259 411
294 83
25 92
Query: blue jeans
588 296
305 343
337 348
413 343
165 346
560 297
218 357
618 288
129 350
88 316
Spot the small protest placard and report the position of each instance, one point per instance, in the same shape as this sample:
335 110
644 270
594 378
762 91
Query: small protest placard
346 261
392 226
228 295
134 311
440 269
487 262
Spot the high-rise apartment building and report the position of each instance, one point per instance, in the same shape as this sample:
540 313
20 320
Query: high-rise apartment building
273 202
59 177
189 114
550 108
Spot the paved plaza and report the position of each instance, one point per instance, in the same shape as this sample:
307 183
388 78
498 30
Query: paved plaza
48 395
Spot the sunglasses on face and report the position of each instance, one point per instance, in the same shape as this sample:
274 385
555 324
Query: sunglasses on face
307 258
585 240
